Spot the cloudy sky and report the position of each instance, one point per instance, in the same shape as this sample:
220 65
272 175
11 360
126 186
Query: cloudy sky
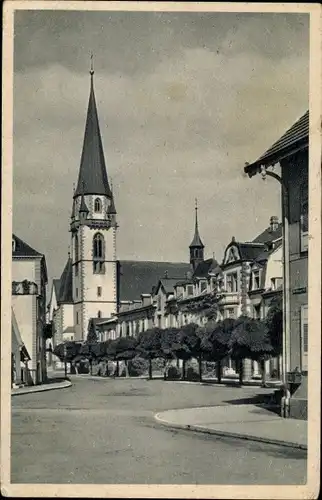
184 99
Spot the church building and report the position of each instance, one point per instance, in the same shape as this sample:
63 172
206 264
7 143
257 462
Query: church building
94 283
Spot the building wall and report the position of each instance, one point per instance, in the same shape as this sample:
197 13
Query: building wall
24 307
23 269
295 175
274 267
96 293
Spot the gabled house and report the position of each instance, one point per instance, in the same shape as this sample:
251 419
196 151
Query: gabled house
243 280
29 280
290 154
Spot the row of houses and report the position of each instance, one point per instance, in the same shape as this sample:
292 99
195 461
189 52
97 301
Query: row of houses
249 275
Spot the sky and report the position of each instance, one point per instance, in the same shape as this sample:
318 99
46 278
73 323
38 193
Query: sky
184 100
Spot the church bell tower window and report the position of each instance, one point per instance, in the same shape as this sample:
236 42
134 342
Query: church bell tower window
97 205
98 254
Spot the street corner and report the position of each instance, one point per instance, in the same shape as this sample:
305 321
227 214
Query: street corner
42 388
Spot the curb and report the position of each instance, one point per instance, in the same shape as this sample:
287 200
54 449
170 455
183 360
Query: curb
235 435
43 388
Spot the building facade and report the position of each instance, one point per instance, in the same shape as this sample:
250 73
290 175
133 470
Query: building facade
291 153
29 280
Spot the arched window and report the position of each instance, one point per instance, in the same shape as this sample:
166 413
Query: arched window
98 246
97 205
98 254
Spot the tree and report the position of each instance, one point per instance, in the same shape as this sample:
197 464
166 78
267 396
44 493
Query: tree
274 323
167 340
187 345
90 351
68 351
122 349
250 340
149 345
215 343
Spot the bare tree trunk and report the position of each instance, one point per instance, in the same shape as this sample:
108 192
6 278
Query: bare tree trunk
91 367
241 371
126 368
117 369
178 363
150 369
200 367
165 369
183 377
218 370
262 366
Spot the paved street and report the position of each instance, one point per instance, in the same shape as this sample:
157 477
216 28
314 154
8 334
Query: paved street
103 431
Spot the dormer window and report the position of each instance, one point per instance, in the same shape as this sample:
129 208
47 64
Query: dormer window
97 205
189 290
203 286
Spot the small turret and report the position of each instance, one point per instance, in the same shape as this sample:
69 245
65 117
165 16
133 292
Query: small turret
196 247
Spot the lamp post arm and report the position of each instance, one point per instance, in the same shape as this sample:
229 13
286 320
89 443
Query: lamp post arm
286 282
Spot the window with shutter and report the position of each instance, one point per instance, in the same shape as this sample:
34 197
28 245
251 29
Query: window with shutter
304 338
304 217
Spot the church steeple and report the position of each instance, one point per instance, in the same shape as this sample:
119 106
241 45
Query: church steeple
92 177
196 246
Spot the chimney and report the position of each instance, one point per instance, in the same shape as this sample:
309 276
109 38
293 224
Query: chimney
166 274
273 223
146 299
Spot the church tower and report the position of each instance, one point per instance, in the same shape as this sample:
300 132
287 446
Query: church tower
93 231
196 247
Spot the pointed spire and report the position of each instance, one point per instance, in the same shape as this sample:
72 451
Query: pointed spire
73 207
91 71
92 168
196 242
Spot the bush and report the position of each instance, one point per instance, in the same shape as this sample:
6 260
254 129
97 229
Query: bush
173 373
83 367
192 375
158 364
209 369
137 367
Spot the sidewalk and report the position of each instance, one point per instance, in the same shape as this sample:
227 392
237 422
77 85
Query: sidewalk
270 384
51 385
245 421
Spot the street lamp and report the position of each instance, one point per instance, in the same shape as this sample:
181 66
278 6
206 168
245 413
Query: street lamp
286 288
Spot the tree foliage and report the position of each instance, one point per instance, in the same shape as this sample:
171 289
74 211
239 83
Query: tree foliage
71 349
168 339
149 343
250 339
215 343
122 348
